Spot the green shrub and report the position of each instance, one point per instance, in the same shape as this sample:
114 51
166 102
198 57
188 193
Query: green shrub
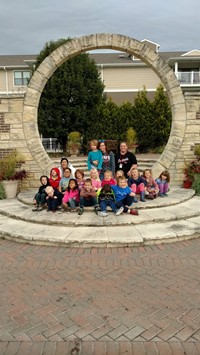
197 150
196 184
2 192
131 136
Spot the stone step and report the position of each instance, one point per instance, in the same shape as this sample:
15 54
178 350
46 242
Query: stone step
162 220
176 196
159 210
144 162
105 236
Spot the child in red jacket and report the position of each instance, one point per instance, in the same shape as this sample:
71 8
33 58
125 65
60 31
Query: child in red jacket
54 178
108 179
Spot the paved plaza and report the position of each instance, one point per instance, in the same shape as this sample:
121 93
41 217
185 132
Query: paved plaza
128 300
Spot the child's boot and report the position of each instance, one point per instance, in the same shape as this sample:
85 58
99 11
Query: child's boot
40 208
142 197
80 212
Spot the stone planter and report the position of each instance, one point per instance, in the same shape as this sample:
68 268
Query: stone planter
10 187
187 184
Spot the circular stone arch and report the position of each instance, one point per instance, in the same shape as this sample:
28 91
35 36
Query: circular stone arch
104 41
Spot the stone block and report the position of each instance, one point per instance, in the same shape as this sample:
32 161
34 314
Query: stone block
29 114
47 67
176 95
104 40
32 97
178 128
16 105
4 136
179 112
13 118
17 134
167 158
88 42
192 106
38 82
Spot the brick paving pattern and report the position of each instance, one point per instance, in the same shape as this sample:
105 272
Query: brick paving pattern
143 300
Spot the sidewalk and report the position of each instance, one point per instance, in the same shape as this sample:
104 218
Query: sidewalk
141 300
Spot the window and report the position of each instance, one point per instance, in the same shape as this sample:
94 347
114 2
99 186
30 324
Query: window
21 77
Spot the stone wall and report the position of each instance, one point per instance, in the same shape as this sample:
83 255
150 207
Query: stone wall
12 136
18 113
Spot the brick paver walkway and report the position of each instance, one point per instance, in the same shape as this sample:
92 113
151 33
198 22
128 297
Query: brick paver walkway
143 300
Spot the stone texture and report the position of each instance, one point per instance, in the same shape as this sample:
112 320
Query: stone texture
185 127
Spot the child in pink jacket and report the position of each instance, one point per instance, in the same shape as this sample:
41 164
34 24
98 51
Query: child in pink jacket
72 196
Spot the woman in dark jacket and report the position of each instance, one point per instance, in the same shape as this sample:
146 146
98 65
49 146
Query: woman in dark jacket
108 160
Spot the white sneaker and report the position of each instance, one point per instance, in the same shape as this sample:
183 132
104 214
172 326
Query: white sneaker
119 211
102 213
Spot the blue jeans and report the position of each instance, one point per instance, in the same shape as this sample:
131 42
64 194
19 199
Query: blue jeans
40 198
53 204
88 202
72 203
105 203
127 201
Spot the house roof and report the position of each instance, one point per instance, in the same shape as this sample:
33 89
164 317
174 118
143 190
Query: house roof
17 60
112 58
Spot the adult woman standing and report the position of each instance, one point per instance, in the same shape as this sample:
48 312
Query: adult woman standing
108 160
125 160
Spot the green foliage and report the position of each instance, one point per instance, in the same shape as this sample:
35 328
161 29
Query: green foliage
2 192
142 120
162 117
197 150
192 169
73 100
157 150
74 140
131 136
70 98
74 137
151 120
8 166
196 184
109 123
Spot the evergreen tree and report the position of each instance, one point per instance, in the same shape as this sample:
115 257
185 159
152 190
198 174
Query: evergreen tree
142 120
110 122
70 98
162 117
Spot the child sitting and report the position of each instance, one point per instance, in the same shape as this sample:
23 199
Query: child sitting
163 183
124 196
79 175
151 185
53 199
72 196
64 182
40 197
94 176
119 173
94 159
108 178
88 197
106 197
137 184
54 178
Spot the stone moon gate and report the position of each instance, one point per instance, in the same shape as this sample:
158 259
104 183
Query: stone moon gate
24 134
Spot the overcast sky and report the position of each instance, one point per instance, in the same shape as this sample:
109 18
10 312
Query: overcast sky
26 25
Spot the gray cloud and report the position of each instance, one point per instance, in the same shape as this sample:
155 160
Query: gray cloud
25 26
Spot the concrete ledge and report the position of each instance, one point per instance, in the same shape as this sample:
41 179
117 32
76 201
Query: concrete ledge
158 224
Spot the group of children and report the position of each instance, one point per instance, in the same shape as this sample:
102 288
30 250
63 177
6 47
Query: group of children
118 192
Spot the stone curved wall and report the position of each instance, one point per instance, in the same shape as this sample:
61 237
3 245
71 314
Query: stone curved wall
27 136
